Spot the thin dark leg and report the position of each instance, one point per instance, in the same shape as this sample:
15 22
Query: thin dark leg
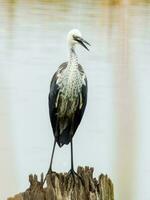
72 172
50 167
72 165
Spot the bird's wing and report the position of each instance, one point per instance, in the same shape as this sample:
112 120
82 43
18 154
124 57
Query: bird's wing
74 121
54 91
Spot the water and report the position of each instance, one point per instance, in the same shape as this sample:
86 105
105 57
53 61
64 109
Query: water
114 133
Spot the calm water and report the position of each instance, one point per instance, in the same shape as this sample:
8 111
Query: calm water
114 133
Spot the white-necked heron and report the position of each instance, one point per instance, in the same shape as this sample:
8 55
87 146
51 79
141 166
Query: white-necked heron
68 97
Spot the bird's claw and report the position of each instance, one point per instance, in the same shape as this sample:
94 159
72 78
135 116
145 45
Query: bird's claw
74 174
50 172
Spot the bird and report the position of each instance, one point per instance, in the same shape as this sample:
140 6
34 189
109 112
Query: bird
68 97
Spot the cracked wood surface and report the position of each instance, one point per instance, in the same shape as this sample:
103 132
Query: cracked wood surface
61 186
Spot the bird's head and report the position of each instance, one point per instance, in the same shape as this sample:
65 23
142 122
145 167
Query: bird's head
74 37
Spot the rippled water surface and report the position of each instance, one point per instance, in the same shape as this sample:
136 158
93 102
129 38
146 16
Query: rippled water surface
114 134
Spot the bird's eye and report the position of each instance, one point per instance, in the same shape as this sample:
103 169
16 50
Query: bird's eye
76 38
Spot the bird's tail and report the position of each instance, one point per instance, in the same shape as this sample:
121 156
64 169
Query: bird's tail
65 132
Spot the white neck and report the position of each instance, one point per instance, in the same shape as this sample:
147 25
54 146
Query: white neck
73 60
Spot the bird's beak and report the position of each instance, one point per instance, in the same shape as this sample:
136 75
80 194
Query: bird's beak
82 42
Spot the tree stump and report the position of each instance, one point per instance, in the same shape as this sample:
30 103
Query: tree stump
65 187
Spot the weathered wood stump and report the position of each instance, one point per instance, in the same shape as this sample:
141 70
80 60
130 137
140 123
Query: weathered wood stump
65 187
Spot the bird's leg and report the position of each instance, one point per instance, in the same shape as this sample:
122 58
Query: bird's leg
72 172
50 167
72 164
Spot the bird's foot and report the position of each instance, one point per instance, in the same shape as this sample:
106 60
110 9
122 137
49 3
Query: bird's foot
73 174
50 172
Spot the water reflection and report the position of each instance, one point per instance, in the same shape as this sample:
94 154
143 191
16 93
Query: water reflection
32 45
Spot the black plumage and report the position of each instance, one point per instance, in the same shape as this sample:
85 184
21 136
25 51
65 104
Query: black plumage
68 97
74 119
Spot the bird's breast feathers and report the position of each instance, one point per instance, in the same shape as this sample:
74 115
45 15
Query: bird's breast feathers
69 97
